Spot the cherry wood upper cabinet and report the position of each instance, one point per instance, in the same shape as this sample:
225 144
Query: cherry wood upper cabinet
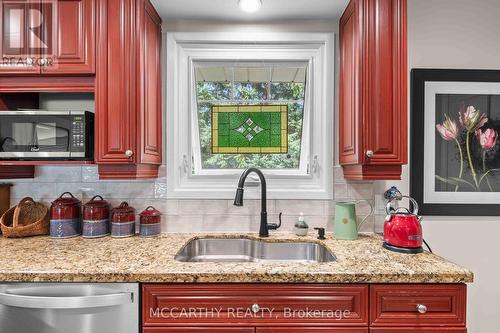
20 42
70 34
150 131
373 89
48 37
128 90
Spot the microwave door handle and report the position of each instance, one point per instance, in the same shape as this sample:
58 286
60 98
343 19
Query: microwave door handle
35 135
79 302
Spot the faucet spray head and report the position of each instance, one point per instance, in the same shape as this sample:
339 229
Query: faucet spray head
238 199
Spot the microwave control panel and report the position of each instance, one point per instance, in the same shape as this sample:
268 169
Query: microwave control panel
78 133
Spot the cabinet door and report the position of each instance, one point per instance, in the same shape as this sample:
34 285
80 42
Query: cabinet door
150 92
349 118
384 87
419 330
21 36
398 305
198 330
115 80
70 34
277 305
310 330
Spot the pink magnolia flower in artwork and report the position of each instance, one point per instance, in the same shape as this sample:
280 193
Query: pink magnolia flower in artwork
487 138
472 119
448 129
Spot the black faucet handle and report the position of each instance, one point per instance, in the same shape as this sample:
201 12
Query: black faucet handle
275 226
321 233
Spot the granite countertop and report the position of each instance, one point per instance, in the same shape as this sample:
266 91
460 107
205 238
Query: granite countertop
136 259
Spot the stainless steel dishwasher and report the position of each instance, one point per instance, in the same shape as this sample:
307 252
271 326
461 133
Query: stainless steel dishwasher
69 308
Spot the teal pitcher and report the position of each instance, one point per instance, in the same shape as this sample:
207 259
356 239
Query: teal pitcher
345 225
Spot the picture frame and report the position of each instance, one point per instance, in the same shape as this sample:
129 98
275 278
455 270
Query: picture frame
455 124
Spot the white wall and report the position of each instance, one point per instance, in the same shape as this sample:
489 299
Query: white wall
461 34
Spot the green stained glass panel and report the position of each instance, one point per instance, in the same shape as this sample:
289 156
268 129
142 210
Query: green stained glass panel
250 129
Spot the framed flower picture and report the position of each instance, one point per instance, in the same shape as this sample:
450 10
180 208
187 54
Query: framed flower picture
455 144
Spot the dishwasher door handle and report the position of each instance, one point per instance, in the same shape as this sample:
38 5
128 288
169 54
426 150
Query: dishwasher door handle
79 302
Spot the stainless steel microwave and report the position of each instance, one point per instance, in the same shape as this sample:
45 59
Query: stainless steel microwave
46 135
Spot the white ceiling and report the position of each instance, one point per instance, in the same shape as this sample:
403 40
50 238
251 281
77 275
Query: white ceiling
227 10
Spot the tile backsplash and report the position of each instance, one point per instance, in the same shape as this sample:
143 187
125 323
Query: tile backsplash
196 215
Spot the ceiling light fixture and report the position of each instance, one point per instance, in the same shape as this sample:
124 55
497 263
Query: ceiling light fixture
250 6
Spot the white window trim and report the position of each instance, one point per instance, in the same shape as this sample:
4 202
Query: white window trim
184 48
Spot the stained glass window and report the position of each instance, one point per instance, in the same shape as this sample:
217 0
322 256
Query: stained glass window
250 129
250 114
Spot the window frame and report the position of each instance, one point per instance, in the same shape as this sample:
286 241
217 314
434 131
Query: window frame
184 49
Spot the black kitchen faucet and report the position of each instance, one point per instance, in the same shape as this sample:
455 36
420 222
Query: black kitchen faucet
238 201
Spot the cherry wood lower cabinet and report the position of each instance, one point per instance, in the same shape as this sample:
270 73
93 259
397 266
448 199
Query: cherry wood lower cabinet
253 330
198 330
310 330
418 330
255 305
303 308
398 305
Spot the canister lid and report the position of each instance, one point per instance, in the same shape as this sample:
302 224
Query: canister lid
66 201
97 203
123 208
150 211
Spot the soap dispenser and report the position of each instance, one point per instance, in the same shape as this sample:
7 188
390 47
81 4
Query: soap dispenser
301 227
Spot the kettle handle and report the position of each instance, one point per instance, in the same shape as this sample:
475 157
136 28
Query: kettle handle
389 210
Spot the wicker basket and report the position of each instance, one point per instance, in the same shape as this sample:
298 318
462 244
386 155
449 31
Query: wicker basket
28 218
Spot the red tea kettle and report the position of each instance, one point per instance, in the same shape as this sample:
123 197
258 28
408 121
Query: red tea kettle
402 228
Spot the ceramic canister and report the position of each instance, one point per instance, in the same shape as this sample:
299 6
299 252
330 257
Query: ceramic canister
150 222
123 221
65 216
96 218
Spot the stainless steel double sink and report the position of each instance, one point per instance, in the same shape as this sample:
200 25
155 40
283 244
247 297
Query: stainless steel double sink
253 250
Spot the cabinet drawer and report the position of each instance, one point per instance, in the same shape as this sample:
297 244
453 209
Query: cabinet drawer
310 330
198 330
396 305
255 305
419 330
